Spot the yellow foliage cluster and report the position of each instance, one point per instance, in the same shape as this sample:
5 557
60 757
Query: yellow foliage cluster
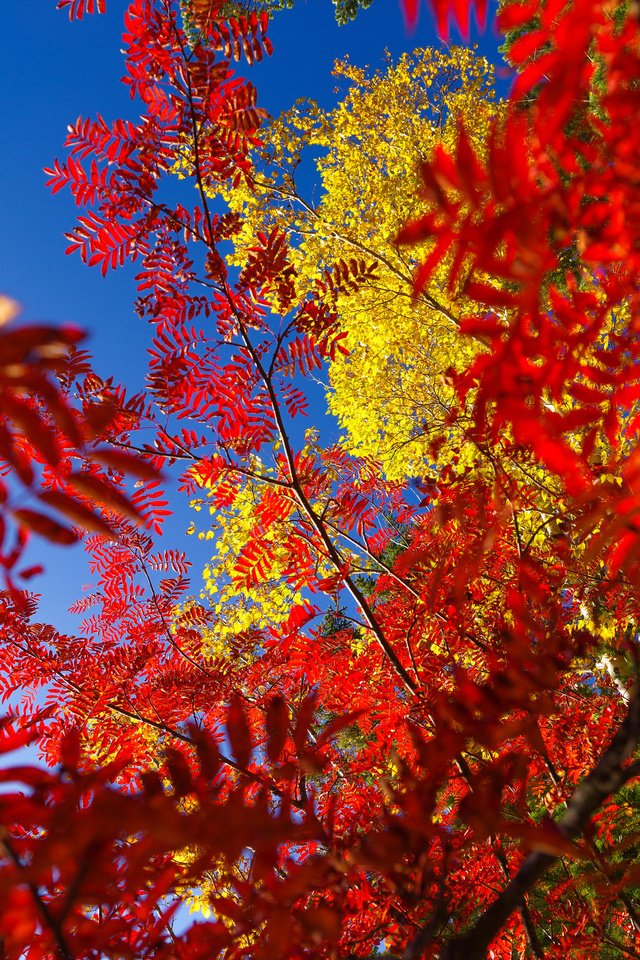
241 608
389 393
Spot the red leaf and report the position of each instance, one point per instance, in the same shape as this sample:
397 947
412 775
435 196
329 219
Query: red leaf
76 511
97 488
30 572
13 737
45 526
337 724
277 722
207 752
306 711
516 15
70 749
239 733
410 9
179 772
39 433
128 463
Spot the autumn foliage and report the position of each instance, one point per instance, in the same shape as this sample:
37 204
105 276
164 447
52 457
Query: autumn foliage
400 717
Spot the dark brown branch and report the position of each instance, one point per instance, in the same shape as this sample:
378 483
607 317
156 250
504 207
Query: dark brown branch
525 914
314 519
605 779
48 918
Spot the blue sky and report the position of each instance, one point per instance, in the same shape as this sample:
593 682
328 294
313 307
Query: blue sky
55 71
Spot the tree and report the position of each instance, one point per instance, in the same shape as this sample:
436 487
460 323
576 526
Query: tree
378 780
392 389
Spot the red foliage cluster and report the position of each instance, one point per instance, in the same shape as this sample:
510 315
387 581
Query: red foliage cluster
558 179
346 804
45 444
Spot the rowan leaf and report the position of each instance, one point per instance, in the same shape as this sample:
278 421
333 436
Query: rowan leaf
45 526
277 724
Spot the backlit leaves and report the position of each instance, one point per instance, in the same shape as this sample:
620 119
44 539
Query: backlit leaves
413 644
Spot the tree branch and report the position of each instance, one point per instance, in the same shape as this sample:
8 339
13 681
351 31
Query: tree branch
604 780
62 948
